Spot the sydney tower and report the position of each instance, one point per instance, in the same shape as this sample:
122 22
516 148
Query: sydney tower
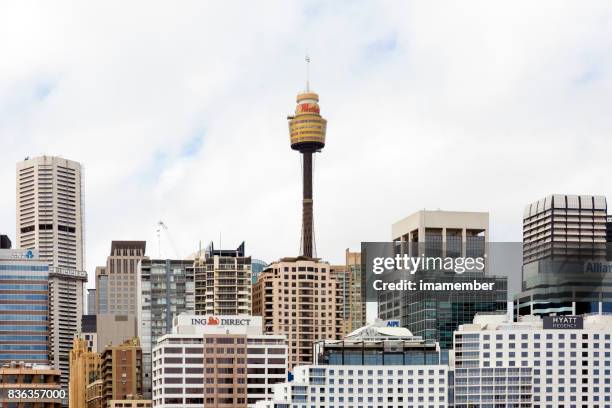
307 133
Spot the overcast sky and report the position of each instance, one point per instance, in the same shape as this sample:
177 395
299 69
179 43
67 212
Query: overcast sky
177 110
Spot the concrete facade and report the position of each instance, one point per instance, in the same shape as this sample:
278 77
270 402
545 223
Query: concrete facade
299 298
117 280
217 361
50 218
222 281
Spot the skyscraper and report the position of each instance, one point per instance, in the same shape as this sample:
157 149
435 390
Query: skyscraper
564 226
49 210
562 236
24 307
354 297
307 130
117 281
222 281
165 290
50 219
299 297
435 234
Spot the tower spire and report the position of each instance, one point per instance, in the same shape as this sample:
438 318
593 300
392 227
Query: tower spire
307 130
307 59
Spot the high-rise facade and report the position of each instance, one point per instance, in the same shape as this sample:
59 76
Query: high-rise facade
118 279
528 363
84 369
299 298
50 219
91 301
564 226
101 290
66 294
223 281
354 293
121 371
24 307
562 236
50 209
434 316
165 290
217 361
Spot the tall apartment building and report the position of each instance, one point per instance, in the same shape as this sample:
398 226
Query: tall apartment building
563 235
165 290
121 371
21 378
50 219
222 281
340 275
559 362
441 234
299 298
217 361
354 297
117 280
84 369
378 365
24 307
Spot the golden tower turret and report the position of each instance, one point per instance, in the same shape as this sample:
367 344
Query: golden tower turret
307 130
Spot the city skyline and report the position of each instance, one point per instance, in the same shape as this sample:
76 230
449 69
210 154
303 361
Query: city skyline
150 131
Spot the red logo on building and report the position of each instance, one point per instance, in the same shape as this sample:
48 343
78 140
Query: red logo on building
309 108
213 320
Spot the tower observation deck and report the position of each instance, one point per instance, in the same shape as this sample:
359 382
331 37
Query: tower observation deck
307 135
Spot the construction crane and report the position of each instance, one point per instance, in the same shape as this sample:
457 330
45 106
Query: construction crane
161 225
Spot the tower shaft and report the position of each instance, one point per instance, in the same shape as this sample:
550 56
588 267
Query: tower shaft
307 208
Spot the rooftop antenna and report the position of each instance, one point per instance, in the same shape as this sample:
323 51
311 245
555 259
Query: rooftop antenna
307 72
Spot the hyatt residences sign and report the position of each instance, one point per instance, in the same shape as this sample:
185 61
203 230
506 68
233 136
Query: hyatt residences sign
563 322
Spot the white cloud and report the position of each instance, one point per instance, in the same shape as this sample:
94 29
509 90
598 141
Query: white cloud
463 106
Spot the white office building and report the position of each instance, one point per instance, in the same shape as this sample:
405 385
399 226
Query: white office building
554 362
50 219
379 365
217 361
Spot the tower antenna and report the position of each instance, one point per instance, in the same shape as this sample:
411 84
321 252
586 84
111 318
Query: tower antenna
307 72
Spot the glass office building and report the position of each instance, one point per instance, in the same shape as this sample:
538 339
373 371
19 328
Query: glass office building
24 307
166 289
257 266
